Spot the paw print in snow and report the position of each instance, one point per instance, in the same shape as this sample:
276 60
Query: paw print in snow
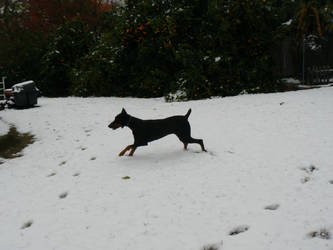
321 234
27 224
63 195
239 229
213 246
52 174
272 207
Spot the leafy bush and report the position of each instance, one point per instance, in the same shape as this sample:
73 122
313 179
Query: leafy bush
178 49
20 57
70 42
97 73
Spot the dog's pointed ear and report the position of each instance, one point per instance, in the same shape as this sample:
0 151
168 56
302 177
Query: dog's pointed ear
123 111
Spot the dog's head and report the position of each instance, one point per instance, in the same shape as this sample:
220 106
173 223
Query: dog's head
120 120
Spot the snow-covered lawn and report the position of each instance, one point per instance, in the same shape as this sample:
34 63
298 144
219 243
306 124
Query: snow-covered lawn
266 182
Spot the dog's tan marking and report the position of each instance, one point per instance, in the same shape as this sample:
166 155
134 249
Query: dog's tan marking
125 150
117 125
132 151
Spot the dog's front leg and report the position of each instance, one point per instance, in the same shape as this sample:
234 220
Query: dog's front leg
126 149
132 150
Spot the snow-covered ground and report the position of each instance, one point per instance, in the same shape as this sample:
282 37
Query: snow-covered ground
4 127
266 182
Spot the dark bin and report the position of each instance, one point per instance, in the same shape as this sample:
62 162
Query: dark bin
25 94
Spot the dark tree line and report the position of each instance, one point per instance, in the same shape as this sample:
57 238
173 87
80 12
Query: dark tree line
186 49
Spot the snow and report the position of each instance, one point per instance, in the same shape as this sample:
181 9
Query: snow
22 84
265 183
288 22
291 80
4 127
17 88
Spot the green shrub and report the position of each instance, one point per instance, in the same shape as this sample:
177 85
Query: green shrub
70 42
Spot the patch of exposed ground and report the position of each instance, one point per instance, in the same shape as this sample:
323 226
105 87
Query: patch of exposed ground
12 143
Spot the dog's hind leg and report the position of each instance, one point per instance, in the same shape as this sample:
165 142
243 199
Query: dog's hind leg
184 135
198 141
183 140
188 140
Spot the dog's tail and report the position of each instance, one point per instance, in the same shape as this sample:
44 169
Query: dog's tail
187 114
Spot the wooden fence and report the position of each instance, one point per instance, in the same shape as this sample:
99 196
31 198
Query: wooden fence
317 75
289 58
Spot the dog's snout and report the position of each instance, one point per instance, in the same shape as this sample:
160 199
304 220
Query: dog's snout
114 125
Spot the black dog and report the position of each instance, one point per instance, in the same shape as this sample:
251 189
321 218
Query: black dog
145 131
